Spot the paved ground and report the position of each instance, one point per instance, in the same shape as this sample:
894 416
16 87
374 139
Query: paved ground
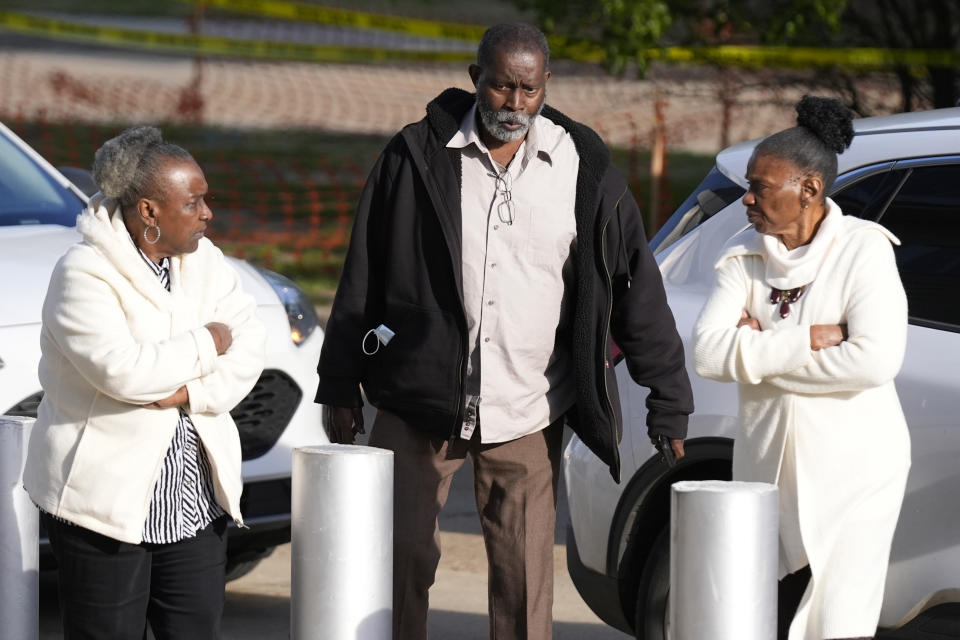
258 605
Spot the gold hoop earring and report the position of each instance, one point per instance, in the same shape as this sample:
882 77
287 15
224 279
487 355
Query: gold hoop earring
148 240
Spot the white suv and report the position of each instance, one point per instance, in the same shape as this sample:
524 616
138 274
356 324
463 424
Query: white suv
38 211
904 172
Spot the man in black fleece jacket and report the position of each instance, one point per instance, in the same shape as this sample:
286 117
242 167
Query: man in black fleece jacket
495 256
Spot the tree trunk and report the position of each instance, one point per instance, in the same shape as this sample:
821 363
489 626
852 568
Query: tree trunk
945 86
906 88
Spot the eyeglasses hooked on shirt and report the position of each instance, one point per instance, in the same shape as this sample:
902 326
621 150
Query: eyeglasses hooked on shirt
505 209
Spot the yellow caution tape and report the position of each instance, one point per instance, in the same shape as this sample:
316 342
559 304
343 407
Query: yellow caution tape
304 12
217 46
744 56
194 44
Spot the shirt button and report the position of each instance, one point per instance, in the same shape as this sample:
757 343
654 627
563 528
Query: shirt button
486 339
495 227
489 302
493 264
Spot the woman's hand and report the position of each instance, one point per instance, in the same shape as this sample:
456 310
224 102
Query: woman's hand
827 335
222 337
178 398
747 321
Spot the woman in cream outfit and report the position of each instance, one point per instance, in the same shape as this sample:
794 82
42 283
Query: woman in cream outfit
809 317
147 343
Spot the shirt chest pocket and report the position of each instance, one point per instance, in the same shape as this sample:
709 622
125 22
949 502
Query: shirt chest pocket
550 235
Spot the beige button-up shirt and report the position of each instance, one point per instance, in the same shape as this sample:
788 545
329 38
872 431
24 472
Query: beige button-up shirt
516 272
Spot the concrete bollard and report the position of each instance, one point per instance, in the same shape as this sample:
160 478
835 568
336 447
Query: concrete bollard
724 558
341 575
19 534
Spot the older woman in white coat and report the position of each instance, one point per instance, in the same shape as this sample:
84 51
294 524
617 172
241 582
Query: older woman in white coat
809 316
147 343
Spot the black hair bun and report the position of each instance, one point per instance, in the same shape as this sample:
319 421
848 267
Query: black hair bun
828 119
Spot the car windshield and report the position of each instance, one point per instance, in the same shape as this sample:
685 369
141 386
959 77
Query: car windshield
28 195
713 194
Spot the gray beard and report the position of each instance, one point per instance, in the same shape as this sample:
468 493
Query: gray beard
493 121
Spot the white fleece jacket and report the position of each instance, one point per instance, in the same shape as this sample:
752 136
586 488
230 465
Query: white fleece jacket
114 339
826 425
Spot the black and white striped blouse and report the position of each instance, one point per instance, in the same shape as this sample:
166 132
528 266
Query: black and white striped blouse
183 497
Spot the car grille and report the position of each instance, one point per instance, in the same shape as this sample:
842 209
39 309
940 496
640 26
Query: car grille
261 417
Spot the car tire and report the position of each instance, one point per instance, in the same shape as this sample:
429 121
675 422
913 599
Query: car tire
239 566
653 594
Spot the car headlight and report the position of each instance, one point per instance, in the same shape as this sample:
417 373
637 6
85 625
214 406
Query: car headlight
300 311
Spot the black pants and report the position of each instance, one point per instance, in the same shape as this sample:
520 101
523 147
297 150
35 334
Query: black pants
109 589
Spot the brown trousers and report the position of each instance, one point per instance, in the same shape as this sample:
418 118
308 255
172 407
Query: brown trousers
515 484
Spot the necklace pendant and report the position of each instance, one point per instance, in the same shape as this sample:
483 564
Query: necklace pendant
785 297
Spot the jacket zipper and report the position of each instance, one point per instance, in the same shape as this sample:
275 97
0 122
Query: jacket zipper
420 162
457 419
606 335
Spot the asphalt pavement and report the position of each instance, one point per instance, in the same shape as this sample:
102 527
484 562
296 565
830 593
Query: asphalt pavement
258 605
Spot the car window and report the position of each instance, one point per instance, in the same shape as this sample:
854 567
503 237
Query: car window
28 195
867 193
925 215
714 193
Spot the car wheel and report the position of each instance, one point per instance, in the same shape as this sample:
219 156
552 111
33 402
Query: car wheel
653 594
242 564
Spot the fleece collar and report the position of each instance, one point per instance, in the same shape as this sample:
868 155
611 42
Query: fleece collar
101 225
540 142
446 112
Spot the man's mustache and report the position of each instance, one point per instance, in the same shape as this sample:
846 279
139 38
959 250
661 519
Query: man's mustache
512 117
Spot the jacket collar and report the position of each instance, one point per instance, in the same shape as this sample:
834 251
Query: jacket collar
540 141
101 225
446 112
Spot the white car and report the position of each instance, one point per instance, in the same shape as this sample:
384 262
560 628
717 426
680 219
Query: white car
903 171
38 211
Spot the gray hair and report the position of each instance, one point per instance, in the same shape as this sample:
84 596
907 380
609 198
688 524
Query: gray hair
126 167
515 36
824 129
